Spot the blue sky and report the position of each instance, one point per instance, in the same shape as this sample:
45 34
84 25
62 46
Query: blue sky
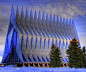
71 9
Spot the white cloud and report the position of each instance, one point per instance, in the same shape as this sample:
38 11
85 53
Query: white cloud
2 44
82 33
0 59
82 40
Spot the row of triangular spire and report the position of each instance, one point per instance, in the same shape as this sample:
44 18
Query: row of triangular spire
47 17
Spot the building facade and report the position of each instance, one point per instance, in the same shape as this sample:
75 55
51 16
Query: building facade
29 38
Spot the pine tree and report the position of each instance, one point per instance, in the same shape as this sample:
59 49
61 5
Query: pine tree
79 58
75 54
84 56
55 59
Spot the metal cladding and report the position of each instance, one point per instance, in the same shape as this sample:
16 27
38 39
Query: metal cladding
29 38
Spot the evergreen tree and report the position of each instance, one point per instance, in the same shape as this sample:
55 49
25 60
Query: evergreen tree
75 54
84 56
55 59
79 58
